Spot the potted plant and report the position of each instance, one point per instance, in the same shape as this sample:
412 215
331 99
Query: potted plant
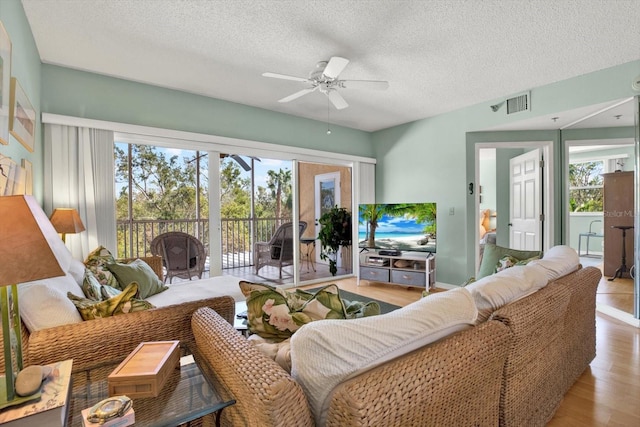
335 231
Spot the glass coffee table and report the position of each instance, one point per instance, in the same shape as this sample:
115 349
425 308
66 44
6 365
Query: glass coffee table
185 397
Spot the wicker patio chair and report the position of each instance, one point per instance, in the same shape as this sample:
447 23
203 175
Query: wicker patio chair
183 255
278 251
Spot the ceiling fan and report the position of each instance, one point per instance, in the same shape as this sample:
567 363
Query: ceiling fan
324 78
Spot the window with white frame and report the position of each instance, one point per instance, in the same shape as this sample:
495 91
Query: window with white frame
586 192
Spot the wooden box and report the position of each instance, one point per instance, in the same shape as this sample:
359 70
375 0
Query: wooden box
145 370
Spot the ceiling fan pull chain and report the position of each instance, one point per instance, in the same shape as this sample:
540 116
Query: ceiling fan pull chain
328 109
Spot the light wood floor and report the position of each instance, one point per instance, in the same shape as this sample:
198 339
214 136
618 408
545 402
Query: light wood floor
607 393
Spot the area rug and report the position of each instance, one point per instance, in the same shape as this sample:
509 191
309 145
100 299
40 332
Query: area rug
385 307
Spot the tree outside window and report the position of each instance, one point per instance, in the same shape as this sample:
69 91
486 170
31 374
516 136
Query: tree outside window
586 192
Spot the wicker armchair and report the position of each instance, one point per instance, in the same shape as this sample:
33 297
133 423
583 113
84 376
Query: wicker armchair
278 251
183 254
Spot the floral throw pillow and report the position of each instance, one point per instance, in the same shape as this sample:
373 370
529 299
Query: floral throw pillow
123 303
509 261
93 290
91 286
274 313
96 262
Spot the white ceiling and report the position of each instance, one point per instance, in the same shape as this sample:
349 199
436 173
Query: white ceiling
438 55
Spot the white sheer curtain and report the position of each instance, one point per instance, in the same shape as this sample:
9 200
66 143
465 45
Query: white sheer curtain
79 173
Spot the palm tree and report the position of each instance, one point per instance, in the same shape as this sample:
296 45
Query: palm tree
371 213
422 212
279 183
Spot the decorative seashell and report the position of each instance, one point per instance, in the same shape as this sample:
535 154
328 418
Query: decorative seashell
112 407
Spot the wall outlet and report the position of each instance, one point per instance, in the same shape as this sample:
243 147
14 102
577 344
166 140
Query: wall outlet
452 211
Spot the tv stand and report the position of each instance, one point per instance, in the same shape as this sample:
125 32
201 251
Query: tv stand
412 269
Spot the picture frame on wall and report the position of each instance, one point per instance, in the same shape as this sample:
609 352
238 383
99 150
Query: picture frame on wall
5 84
22 116
9 170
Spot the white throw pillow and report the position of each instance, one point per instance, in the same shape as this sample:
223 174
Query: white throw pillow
497 290
76 270
328 352
44 303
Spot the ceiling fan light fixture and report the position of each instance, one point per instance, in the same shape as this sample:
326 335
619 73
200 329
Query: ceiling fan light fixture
325 78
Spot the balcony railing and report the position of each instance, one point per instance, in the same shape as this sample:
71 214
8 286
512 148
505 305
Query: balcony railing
135 236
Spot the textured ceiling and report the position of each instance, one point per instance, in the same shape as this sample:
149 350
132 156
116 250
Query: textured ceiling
437 55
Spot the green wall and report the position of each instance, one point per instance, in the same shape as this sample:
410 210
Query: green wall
25 66
92 96
433 159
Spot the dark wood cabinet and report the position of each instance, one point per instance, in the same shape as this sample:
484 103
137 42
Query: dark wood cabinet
618 212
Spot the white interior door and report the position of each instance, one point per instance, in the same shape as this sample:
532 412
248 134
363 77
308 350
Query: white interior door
327 195
525 217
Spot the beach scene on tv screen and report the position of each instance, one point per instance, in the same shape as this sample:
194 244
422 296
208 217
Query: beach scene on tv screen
402 226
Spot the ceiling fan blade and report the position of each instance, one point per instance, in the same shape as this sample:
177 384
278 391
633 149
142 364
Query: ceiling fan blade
241 162
337 100
297 94
334 67
364 84
285 77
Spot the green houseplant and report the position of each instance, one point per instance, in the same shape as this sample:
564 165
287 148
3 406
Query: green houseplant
335 231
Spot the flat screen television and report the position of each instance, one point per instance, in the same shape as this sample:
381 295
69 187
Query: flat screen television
398 226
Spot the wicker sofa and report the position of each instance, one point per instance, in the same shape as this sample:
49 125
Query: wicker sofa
93 343
511 369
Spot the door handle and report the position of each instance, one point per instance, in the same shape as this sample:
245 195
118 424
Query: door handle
510 225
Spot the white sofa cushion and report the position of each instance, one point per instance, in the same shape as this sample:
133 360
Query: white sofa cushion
506 286
44 303
558 261
328 352
509 285
195 290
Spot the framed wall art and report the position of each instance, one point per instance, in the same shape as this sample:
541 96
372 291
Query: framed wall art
9 171
5 84
22 116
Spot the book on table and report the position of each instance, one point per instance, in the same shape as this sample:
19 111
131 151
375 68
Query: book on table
51 408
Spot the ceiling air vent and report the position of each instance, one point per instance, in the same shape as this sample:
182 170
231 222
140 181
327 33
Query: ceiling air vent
519 103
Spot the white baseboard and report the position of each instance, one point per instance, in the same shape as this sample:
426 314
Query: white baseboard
620 315
446 285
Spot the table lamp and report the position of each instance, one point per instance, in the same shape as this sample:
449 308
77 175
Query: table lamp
28 243
66 220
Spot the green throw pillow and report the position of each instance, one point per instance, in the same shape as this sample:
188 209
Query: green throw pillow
493 253
140 272
96 262
120 304
274 313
